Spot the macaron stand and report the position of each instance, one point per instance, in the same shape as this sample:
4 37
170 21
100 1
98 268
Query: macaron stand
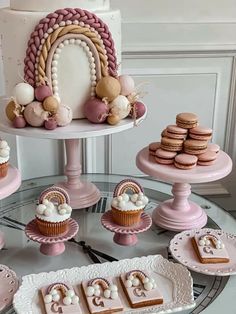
179 213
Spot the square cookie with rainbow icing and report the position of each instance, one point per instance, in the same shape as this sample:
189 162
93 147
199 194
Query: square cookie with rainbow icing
210 248
102 296
141 289
60 298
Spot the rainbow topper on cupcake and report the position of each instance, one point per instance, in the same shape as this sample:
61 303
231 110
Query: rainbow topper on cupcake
53 211
127 208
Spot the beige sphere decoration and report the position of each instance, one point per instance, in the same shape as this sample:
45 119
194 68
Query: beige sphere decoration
113 119
108 87
10 108
51 104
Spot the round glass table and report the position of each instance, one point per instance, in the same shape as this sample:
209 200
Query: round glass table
212 294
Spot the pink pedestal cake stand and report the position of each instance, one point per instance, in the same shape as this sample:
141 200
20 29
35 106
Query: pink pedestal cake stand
8 185
126 235
179 213
82 194
51 245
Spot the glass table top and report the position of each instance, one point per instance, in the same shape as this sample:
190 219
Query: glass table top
213 294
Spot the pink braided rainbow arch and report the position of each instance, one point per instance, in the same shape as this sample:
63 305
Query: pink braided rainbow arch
67 17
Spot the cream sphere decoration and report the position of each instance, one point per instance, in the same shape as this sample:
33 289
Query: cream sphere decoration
63 115
120 107
24 93
127 85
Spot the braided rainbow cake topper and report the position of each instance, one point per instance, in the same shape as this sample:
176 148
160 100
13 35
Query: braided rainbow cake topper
48 98
58 24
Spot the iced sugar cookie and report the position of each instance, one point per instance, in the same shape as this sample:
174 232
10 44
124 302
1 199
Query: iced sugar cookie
141 289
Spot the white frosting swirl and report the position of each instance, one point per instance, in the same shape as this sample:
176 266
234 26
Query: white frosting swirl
47 211
130 202
4 152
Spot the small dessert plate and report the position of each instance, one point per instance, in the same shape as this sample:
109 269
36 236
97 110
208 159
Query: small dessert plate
8 286
182 250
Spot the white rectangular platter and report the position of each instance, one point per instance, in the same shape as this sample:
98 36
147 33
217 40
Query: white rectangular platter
174 280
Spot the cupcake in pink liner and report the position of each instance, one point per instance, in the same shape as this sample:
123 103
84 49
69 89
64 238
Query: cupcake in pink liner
4 158
127 208
53 212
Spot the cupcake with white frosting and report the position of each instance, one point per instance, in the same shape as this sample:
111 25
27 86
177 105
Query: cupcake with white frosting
53 212
4 158
128 203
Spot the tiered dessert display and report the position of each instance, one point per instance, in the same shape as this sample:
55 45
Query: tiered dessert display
71 87
127 217
193 165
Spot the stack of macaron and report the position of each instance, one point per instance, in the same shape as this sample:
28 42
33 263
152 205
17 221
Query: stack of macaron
185 144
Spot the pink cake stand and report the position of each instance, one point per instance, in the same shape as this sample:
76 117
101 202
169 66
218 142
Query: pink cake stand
8 286
51 245
82 194
9 185
126 235
179 213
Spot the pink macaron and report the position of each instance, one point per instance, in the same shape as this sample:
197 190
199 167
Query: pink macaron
213 148
185 161
174 131
165 157
200 133
207 159
153 147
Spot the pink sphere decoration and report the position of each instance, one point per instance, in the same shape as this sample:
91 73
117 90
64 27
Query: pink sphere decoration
50 124
64 115
95 110
41 92
127 85
34 114
139 108
19 122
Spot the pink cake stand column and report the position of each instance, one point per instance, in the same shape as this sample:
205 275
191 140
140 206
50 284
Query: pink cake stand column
179 213
82 194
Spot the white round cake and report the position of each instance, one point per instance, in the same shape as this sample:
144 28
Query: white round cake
73 73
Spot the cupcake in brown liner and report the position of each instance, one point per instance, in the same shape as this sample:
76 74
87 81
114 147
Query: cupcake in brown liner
53 212
128 208
4 158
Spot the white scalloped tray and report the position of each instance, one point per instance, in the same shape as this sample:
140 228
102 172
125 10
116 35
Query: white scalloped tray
175 283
